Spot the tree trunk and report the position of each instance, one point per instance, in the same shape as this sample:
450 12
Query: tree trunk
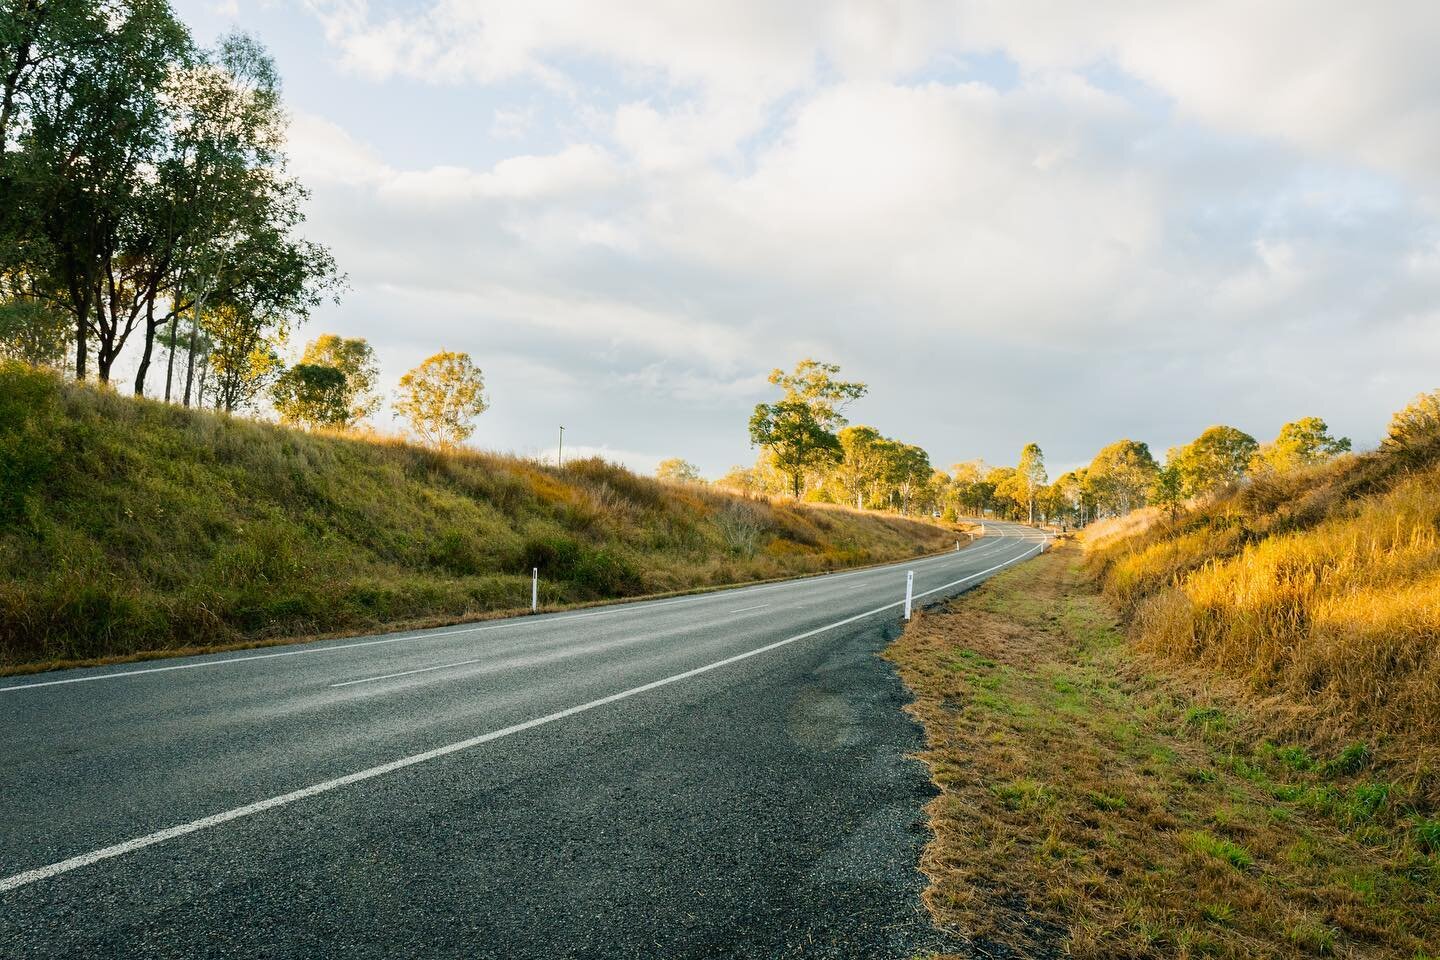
170 360
190 360
82 332
204 376
105 336
22 60
149 347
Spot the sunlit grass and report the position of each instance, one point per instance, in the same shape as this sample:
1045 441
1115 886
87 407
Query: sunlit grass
129 526
1323 585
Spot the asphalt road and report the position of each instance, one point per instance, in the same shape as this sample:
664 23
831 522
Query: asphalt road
716 775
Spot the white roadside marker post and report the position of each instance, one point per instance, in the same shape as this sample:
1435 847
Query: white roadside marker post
534 589
909 590
957 546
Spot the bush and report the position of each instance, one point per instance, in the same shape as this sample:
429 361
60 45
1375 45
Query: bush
608 572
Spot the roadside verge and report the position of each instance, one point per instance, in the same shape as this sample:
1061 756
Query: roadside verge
1092 806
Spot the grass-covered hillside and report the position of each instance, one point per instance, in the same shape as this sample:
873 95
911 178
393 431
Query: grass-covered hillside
1320 585
131 526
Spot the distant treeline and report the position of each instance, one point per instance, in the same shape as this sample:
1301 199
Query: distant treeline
808 450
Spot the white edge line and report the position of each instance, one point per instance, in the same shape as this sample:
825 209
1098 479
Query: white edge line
160 836
473 660
441 632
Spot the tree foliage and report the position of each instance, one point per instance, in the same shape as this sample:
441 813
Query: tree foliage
34 332
311 395
1031 471
1417 425
441 398
1120 477
145 181
241 357
795 438
1219 456
355 359
1168 490
676 470
908 470
862 466
1300 443
814 383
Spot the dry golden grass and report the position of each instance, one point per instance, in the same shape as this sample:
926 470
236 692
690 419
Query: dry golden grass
1090 808
134 528
1298 587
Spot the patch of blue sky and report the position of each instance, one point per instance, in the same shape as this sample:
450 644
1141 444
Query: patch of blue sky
993 68
410 123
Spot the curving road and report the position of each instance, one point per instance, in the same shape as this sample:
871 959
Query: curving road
714 775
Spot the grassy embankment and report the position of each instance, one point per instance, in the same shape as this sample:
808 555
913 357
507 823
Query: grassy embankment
1211 737
135 528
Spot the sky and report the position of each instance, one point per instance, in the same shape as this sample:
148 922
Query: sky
1048 221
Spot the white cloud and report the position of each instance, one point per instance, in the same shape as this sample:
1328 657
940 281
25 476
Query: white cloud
321 151
1171 212
1347 79
1352 80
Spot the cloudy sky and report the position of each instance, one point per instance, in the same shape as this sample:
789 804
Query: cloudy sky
1016 221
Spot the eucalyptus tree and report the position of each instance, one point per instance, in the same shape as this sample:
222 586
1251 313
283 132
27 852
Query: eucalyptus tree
145 179
1168 489
969 486
908 470
1415 428
242 248
1031 471
88 122
1120 477
678 470
311 395
862 462
441 398
796 439
355 359
815 384
33 332
38 38
1299 443
1219 456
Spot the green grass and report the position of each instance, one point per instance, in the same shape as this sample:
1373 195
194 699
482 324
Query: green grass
132 527
1220 848
1351 760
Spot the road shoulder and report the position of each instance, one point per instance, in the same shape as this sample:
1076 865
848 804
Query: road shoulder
1092 807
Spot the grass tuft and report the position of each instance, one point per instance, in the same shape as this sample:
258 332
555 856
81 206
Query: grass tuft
1208 844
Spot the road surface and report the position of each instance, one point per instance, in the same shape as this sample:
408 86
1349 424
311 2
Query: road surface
716 775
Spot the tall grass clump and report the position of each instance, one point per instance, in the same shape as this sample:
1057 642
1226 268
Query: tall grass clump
1322 585
130 526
